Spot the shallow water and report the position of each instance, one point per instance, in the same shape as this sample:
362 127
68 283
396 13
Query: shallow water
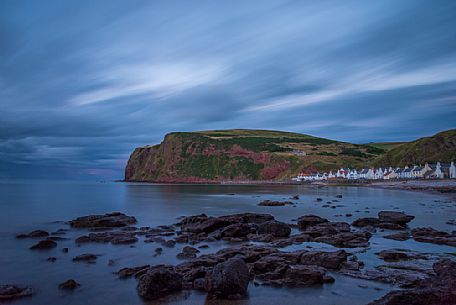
29 205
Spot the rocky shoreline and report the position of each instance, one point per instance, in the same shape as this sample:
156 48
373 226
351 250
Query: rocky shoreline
443 187
254 254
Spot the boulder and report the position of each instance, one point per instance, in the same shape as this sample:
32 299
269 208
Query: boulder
439 289
44 245
366 221
229 280
206 225
302 276
401 236
310 220
10 292
274 228
272 203
33 234
395 217
133 271
346 239
159 281
393 255
114 237
256 218
111 220
87 257
430 235
237 230
69 285
329 260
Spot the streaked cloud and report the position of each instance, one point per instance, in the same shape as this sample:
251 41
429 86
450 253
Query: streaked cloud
82 83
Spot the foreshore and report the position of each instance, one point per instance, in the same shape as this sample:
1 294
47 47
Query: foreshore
445 186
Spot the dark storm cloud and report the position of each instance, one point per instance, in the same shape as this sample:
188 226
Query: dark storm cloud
83 83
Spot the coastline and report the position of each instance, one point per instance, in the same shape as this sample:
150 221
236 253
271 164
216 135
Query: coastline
444 186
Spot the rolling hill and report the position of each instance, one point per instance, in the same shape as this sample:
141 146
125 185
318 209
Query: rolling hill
439 147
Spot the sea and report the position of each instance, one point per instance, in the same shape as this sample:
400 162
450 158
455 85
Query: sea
48 205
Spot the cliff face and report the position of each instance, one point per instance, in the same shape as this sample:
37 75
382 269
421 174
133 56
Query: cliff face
214 156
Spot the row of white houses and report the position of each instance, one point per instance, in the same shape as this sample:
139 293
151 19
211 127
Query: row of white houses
428 171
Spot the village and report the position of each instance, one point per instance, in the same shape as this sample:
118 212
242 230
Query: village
426 171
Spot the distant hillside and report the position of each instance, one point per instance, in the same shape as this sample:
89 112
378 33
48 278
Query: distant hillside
241 154
440 147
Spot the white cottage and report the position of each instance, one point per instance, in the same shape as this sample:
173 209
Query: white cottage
353 175
378 174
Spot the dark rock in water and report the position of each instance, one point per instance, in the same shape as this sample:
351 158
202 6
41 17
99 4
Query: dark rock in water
158 250
203 223
114 237
188 252
389 220
159 281
430 235
247 218
188 249
169 243
395 217
319 199
275 228
271 203
327 229
310 220
401 236
237 230
229 280
52 259
133 271
33 234
65 250
87 257
44 245
439 289
295 197
346 239
366 221
393 255
329 260
183 255
69 285
199 284
110 220
391 226
338 196
10 292
302 276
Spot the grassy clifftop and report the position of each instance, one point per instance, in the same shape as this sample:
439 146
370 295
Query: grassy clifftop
241 154
439 147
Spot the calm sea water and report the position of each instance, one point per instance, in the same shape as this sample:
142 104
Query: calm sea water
26 206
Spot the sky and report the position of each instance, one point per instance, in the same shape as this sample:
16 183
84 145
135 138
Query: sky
82 83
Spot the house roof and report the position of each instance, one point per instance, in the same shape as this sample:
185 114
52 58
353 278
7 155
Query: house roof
429 172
